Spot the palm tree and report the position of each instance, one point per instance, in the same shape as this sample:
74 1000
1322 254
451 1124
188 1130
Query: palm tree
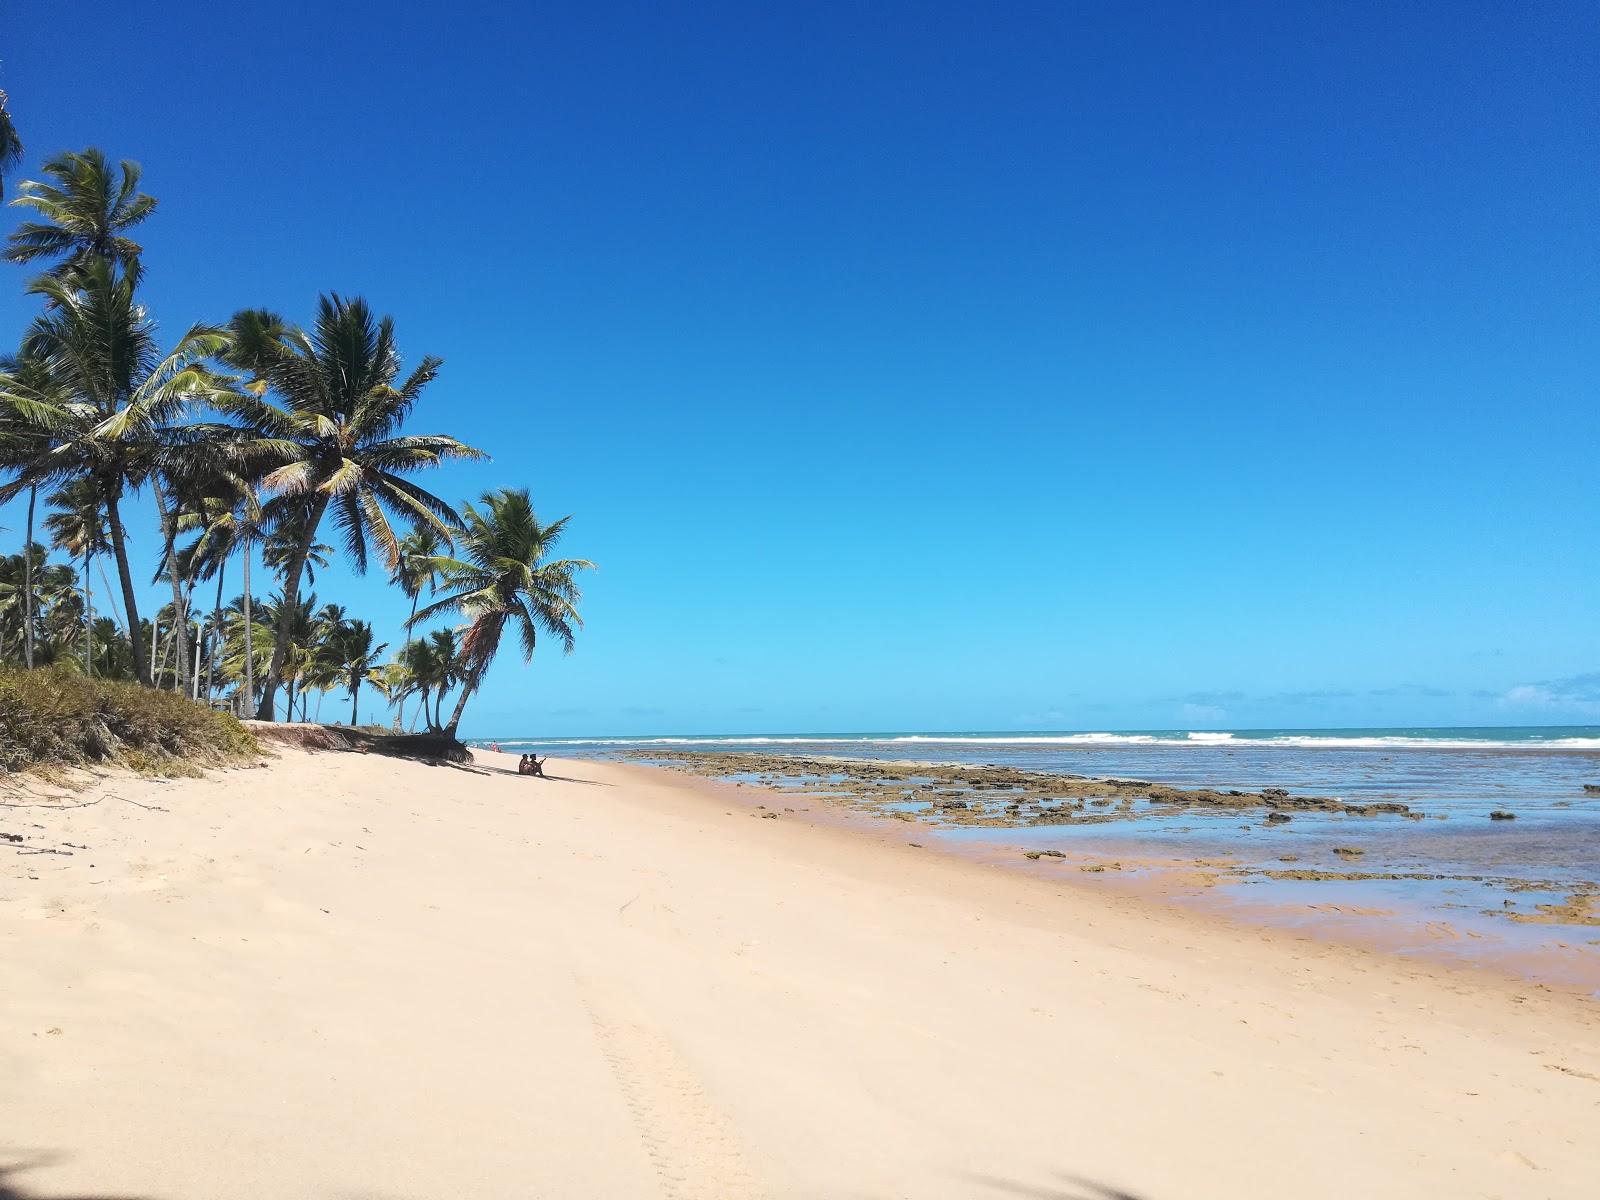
504 578
341 408
443 669
61 613
76 527
396 682
352 649
415 655
304 637
26 596
20 444
230 520
246 645
413 570
86 213
323 669
114 401
283 543
10 143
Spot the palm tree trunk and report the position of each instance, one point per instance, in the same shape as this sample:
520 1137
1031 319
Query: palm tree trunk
130 602
122 622
166 653
216 633
355 692
286 610
180 623
249 638
468 686
199 635
27 580
88 611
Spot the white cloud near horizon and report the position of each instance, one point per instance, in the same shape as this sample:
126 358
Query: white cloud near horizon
1576 693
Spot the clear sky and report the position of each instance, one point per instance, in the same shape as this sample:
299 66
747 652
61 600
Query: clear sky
935 366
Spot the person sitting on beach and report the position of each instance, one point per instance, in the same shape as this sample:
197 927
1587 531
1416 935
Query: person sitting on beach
532 764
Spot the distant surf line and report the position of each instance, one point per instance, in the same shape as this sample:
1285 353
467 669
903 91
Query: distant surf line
1560 738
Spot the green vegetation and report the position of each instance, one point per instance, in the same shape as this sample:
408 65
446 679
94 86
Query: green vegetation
254 436
57 716
10 143
505 579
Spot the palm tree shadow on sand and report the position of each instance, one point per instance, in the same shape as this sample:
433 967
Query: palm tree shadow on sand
1067 1187
11 1189
479 769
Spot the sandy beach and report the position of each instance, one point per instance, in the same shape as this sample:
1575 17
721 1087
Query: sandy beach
352 976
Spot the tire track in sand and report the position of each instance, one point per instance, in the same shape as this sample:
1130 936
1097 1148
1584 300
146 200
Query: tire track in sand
690 1142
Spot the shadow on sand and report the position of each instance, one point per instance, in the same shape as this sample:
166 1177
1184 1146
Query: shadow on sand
10 1189
476 769
1066 1187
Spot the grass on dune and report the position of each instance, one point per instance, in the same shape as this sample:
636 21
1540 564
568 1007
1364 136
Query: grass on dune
56 717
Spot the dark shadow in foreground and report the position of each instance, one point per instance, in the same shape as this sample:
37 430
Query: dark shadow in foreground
10 1189
1070 1187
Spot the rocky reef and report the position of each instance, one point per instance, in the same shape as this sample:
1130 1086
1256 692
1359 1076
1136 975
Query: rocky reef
996 796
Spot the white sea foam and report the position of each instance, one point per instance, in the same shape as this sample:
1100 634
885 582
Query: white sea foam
1190 740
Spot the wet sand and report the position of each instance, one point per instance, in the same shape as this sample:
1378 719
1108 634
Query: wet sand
1521 897
345 975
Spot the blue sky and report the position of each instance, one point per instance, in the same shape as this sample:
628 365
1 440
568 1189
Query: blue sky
935 366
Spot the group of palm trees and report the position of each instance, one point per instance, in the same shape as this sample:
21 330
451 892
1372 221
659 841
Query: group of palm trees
255 438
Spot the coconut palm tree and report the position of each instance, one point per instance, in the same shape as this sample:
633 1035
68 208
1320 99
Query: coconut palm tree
76 526
86 212
62 617
246 646
504 577
444 669
284 542
23 382
340 408
115 398
10 143
29 588
413 569
230 521
396 682
350 646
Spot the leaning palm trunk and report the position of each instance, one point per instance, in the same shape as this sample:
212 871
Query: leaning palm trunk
130 602
27 580
291 597
468 686
482 641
